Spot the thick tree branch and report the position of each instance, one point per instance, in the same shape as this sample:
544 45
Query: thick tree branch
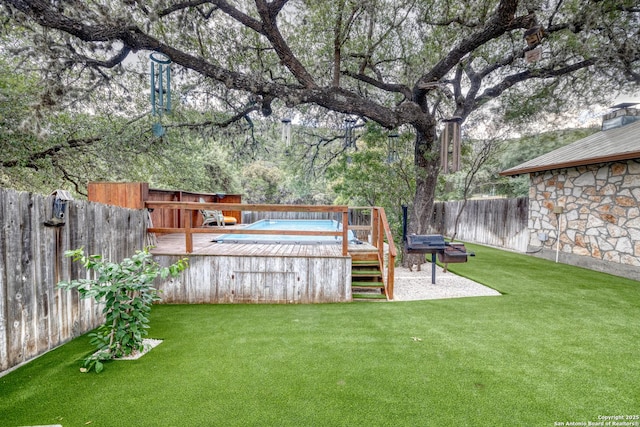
242 18
502 21
220 124
455 20
282 49
109 63
513 79
181 5
277 5
268 27
32 159
388 87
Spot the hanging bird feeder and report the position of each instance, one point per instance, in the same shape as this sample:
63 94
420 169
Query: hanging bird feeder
534 35
160 89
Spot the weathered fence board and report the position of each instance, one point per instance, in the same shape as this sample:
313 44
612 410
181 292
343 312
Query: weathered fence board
35 316
284 279
356 217
495 222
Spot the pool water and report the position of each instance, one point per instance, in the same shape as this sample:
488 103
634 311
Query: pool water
289 224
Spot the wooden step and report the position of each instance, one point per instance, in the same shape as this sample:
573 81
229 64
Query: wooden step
367 270
369 256
357 263
368 297
362 284
366 273
364 256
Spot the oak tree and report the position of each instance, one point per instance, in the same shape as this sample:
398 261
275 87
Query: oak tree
400 63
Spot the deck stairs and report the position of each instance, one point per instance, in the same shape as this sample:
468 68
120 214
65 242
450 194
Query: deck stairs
367 283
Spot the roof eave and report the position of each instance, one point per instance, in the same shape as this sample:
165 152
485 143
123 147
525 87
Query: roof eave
582 162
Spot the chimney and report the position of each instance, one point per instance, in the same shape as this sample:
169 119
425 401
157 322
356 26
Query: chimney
621 115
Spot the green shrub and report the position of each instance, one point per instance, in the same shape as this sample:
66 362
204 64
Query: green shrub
127 291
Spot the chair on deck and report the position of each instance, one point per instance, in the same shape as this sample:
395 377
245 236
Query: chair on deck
211 216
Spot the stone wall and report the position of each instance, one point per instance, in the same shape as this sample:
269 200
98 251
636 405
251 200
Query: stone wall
600 214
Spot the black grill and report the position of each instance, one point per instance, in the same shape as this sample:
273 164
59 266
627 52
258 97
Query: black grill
434 244
425 243
454 252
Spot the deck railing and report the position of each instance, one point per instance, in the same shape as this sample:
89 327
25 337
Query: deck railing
186 209
378 228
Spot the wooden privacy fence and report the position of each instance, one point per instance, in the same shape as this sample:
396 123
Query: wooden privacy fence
495 222
360 219
35 316
356 216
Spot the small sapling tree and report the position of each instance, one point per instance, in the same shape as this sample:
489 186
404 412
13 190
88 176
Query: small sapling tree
126 289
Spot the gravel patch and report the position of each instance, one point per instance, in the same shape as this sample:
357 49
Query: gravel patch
148 344
416 285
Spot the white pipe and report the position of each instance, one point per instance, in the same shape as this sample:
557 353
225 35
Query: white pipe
558 238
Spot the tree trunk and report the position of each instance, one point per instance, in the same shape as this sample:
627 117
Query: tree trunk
427 164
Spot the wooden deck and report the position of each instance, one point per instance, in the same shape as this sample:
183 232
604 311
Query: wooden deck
174 244
216 268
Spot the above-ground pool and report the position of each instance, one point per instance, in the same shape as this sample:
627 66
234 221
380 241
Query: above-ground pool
289 224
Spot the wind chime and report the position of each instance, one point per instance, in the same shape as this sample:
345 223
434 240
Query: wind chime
286 131
286 134
160 89
392 148
450 146
349 139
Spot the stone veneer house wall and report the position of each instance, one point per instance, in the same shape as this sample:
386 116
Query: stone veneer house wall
588 193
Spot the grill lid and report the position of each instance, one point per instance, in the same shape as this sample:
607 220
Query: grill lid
425 242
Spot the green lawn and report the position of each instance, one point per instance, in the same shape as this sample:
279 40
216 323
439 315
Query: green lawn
561 345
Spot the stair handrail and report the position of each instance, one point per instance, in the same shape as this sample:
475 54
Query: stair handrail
383 224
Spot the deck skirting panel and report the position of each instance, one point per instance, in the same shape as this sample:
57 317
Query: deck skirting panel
230 279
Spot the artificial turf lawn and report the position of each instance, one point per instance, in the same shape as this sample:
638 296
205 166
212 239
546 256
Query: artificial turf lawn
561 345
